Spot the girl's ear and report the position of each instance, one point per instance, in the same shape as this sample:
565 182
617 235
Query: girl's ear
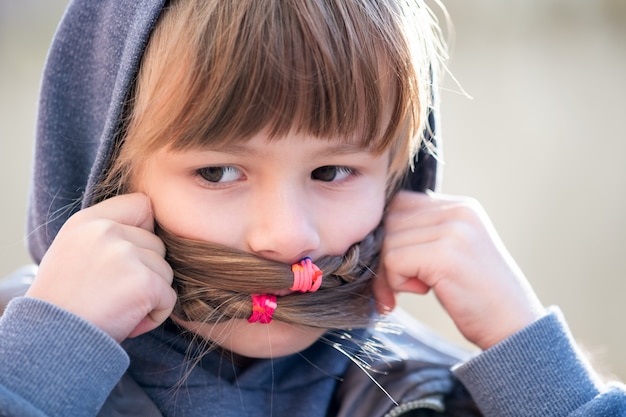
426 172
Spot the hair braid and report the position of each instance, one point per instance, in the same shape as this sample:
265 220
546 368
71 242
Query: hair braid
214 283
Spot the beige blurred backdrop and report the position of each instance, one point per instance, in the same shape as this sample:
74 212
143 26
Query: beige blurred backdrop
541 143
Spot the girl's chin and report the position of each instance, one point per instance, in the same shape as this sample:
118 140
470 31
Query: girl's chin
256 340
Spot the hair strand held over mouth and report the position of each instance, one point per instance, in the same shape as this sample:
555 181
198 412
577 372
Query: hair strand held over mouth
214 283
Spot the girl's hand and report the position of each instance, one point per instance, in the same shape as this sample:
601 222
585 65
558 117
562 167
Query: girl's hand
448 244
107 267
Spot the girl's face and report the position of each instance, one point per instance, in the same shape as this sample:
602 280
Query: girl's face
282 199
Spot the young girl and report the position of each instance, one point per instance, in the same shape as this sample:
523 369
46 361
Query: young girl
217 217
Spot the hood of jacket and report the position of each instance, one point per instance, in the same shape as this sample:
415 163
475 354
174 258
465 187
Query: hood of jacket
89 72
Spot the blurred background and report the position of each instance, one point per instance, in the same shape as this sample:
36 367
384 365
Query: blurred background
541 143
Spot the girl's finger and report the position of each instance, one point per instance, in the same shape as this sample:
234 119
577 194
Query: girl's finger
142 238
129 209
159 314
155 262
383 293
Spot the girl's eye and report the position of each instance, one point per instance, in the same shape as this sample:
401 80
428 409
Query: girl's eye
332 173
219 174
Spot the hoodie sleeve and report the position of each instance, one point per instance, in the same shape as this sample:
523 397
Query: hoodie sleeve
539 371
54 363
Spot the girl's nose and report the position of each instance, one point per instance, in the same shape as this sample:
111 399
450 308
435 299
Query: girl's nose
281 226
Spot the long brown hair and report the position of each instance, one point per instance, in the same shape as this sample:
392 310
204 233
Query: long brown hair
214 283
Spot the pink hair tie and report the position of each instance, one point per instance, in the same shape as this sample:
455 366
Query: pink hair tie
307 277
263 306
